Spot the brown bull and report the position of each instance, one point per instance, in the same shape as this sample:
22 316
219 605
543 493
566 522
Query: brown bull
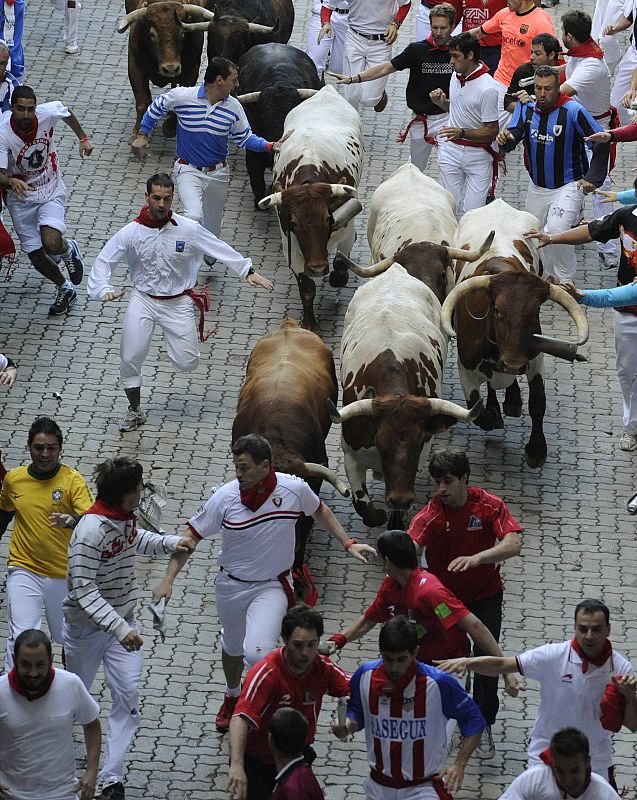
289 380
159 51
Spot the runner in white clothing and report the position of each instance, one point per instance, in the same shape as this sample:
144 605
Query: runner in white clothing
29 170
565 773
588 80
256 516
467 160
628 64
573 676
163 251
327 52
99 623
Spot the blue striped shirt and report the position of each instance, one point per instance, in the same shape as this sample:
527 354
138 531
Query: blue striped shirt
554 146
7 85
203 129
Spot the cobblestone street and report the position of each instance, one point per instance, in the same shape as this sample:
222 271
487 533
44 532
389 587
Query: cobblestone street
578 537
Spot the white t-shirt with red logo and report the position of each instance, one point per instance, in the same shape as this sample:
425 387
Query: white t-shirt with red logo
570 697
538 783
36 161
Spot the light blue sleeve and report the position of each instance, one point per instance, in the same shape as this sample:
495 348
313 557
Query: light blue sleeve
627 198
610 298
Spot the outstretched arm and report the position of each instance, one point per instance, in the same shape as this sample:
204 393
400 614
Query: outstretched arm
326 519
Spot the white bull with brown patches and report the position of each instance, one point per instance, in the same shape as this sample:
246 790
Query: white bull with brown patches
393 354
498 324
316 175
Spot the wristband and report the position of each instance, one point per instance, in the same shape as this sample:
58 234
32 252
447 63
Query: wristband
348 544
550 238
339 640
11 363
250 272
462 132
85 139
395 22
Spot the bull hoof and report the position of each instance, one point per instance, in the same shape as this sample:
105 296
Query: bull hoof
310 325
533 459
169 128
374 518
338 279
489 420
512 409
396 521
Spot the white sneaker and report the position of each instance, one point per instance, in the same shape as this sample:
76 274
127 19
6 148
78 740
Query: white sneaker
71 49
628 442
486 748
608 260
133 419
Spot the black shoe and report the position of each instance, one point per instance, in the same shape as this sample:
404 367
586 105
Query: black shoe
114 791
74 263
64 299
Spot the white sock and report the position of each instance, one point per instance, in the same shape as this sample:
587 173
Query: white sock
233 692
67 284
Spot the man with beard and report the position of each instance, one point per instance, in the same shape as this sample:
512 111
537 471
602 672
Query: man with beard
39 706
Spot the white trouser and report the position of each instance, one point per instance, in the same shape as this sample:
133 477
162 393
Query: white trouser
71 10
203 194
361 54
250 616
623 75
26 594
419 148
504 118
423 24
607 12
29 218
86 648
375 791
626 362
329 53
465 172
602 209
177 322
558 210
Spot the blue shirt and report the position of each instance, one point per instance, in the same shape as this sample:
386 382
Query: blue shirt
617 297
7 86
203 129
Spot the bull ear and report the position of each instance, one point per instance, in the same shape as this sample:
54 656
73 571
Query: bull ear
277 186
215 11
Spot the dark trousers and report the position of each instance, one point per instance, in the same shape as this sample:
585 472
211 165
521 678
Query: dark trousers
485 690
491 57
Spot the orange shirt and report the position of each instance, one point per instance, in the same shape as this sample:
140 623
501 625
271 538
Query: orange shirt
518 31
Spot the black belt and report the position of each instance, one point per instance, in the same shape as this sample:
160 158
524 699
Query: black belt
341 10
372 37
221 164
243 580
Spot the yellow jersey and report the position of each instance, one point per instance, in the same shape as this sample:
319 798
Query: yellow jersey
35 545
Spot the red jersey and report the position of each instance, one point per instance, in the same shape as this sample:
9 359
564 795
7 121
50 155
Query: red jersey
445 534
476 12
434 609
269 685
297 782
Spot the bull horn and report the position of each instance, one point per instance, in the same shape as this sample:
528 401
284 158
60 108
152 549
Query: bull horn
198 11
305 94
563 298
471 255
344 214
454 410
358 408
365 272
461 290
342 190
328 475
250 97
254 28
271 200
134 16
191 26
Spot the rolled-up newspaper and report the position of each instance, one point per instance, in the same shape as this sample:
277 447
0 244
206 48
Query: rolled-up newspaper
150 506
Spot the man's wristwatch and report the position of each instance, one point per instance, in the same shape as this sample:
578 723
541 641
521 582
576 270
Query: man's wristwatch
250 272
11 363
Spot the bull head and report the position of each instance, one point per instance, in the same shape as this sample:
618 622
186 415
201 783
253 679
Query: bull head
385 264
364 408
337 190
141 13
556 294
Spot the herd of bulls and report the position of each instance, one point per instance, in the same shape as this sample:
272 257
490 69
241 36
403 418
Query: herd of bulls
431 277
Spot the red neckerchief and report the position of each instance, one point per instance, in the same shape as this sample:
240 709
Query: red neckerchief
588 49
599 661
99 507
434 46
254 498
384 686
16 684
562 99
27 136
144 218
546 757
481 70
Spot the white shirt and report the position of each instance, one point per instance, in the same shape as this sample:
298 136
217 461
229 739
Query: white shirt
474 104
256 545
591 80
4 362
369 17
570 698
37 760
162 261
35 163
538 783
